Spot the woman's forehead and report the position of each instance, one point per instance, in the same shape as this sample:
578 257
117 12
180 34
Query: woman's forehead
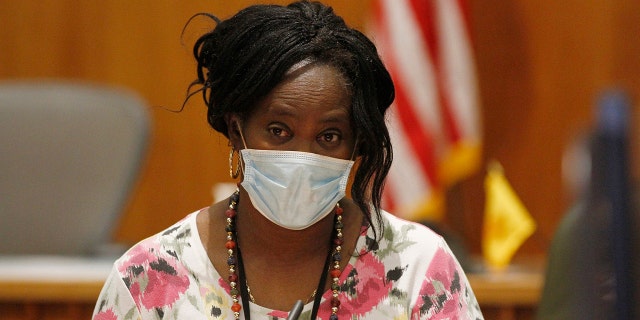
313 88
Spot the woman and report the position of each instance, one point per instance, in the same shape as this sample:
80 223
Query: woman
301 98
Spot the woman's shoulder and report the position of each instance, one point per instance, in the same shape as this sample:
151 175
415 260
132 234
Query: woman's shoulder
406 242
399 227
168 244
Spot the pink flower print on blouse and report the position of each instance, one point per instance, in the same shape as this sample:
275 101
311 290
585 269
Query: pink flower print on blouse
164 285
105 315
441 294
138 256
225 285
368 279
279 314
153 281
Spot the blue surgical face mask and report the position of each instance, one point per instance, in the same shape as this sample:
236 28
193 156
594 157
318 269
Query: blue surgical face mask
294 189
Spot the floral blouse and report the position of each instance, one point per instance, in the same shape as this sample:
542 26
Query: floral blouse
409 274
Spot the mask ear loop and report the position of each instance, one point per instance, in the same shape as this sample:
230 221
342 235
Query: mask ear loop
353 152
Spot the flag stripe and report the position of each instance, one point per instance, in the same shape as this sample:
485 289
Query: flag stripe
408 54
430 26
419 139
411 173
397 194
424 45
458 78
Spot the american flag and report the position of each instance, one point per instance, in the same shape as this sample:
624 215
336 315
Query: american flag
434 122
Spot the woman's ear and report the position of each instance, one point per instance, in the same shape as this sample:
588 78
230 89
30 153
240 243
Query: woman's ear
233 130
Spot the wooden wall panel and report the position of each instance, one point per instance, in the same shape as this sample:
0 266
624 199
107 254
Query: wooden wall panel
540 66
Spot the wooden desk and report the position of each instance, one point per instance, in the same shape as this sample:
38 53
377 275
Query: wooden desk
70 287
510 294
51 288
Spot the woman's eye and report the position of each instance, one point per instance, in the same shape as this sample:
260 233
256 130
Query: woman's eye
278 132
330 137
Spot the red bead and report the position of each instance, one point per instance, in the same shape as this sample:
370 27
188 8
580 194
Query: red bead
230 213
230 244
339 210
233 277
236 307
335 273
335 302
338 241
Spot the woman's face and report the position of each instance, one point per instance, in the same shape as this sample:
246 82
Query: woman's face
308 111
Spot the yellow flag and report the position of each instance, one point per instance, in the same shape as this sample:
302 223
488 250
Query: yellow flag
507 223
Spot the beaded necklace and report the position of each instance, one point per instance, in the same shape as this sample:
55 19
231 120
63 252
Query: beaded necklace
237 279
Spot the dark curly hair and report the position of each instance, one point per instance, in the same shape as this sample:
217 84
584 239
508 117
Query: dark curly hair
243 58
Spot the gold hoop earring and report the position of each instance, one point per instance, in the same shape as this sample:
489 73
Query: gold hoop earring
234 174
